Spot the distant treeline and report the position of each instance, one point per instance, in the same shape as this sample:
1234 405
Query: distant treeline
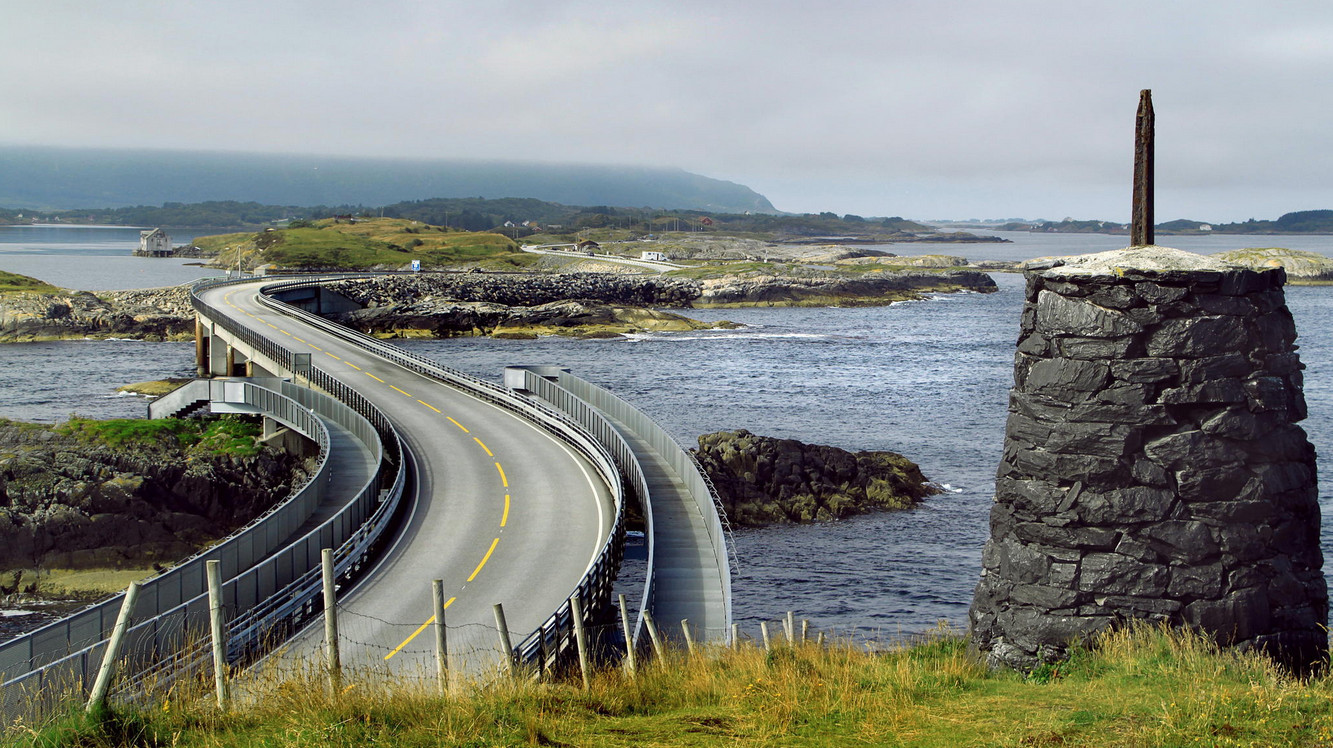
1299 222
516 216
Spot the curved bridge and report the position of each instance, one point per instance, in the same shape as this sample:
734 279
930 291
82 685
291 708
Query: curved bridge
508 497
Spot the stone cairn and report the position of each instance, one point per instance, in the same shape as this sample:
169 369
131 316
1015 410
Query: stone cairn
1152 469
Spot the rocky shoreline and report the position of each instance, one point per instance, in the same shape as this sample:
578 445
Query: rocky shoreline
68 501
518 305
146 314
762 480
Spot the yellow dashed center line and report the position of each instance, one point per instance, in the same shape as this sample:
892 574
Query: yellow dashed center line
297 339
420 628
428 405
503 480
484 559
330 355
459 425
312 345
504 518
354 366
377 379
400 390
482 444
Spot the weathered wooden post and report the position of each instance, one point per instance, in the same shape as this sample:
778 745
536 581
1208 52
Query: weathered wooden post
441 636
580 639
1141 215
735 636
97 699
763 629
689 637
789 627
332 658
629 638
506 645
218 630
659 651
805 630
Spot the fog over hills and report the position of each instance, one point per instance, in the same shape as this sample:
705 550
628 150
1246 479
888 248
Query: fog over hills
65 178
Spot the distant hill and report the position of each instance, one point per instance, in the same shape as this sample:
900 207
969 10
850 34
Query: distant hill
62 179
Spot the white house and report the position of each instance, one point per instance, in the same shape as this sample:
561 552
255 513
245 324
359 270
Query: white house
154 243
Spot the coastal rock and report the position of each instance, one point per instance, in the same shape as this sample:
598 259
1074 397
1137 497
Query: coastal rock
870 289
1301 267
763 480
68 503
149 314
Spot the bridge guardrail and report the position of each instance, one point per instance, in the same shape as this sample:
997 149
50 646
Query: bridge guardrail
591 419
267 593
553 639
239 550
697 484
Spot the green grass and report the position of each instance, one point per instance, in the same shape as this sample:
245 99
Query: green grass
215 436
368 243
15 283
1148 687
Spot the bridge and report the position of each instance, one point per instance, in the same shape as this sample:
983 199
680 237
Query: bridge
514 495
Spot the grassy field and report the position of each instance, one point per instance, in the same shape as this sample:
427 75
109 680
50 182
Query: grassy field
13 282
369 243
222 435
1148 687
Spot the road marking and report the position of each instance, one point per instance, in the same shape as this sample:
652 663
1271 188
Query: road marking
484 559
420 628
428 405
504 518
330 355
312 345
483 446
459 425
377 379
354 366
270 324
503 480
399 390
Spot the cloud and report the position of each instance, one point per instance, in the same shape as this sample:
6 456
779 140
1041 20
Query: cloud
857 103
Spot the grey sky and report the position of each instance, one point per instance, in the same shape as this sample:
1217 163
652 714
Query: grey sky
963 108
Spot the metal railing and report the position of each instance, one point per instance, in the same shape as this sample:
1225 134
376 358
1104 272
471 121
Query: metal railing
270 592
586 402
553 639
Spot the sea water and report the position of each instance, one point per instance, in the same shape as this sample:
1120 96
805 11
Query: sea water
928 379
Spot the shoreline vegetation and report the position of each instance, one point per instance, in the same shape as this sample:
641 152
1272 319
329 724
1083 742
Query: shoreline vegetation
88 505
1135 686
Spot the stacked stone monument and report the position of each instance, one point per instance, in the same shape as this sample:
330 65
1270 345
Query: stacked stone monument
1152 467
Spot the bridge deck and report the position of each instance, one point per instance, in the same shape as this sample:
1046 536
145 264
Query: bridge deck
687 581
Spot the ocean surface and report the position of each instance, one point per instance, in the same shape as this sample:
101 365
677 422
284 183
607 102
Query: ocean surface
928 379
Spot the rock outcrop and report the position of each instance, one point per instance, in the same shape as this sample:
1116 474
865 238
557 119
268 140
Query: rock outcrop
1152 468
68 503
516 305
869 289
149 314
762 480
1301 267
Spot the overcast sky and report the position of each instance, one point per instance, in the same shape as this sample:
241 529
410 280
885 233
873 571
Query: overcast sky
935 109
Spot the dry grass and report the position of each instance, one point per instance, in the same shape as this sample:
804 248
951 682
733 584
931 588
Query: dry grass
1147 687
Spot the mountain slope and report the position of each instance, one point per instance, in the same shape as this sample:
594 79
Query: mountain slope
61 179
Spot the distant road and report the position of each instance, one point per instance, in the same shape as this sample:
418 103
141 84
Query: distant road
503 512
568 251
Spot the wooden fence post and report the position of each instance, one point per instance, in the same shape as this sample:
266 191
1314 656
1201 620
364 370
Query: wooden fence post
332 658
217 627
659 651
580 639
629 636
506 644
441 636
97 699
